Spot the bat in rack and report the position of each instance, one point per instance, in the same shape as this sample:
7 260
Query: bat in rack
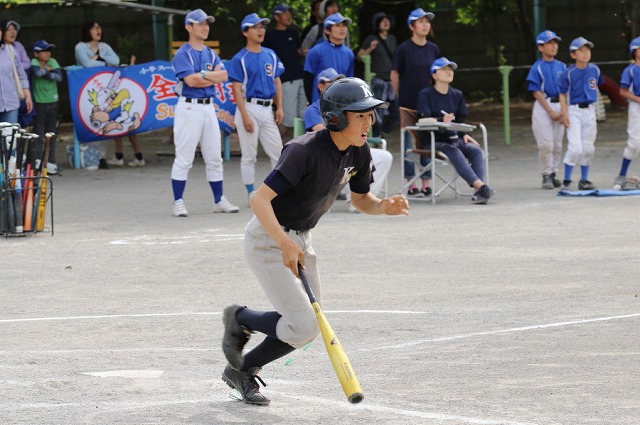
337 355
29 185
17 182
3 193
42 198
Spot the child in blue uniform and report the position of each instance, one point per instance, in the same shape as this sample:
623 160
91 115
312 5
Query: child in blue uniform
459 148
630 90
546 122
255 72
578 94
312 170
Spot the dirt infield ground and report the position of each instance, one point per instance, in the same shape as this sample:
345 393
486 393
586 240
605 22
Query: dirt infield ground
523 311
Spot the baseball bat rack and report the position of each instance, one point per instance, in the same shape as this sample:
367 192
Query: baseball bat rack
35 193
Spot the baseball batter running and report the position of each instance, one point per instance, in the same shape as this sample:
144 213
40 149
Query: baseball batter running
198 68
310 173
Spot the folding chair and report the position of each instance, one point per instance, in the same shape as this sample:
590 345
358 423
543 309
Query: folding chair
440 180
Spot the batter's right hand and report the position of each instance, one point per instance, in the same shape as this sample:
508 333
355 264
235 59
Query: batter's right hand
292 255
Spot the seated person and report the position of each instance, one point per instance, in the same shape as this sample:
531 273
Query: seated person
447 104
313 122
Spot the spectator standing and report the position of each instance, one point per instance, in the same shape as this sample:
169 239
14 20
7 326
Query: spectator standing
255 73
314 18
411 63
13 80
46 74
198 69
285 42
330 53
317 34
380 45
92 51
9 36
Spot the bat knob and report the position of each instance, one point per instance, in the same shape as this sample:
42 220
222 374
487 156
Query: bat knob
355 398
95 123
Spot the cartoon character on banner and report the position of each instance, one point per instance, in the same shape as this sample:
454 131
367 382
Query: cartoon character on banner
112 106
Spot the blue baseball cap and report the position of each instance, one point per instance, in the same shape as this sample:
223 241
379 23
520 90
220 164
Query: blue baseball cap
198 16
635 44
546 36
42 45
419 13
281 8
441 63
335 19
252 20
329 75
578 43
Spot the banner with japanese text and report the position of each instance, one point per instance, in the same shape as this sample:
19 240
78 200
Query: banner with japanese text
108 102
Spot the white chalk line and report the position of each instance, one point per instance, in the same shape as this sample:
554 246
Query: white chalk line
370 407
204 313
501 331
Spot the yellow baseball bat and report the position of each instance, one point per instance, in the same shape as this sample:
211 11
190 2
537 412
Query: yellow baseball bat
339 360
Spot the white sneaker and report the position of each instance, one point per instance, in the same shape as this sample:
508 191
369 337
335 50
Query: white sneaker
115 161
136 162
52 168
224 206
179 210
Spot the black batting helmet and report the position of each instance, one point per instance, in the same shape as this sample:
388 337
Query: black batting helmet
346 94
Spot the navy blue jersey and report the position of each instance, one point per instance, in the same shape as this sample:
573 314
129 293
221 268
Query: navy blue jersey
256 71
544 76
431 102
413 64
286 44
581 84
328 55
630 79
317 171
189 61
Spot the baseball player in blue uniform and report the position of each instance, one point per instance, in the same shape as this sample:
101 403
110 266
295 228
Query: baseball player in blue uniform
578 94
329 53
311 171
255 72
546 122
198 68
630 90
381 159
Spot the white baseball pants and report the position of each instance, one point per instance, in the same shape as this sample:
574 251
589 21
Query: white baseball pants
548 134
297 326
632 149
581 135
265 130
196 124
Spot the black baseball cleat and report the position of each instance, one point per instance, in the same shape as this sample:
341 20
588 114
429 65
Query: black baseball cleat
235 336
246 383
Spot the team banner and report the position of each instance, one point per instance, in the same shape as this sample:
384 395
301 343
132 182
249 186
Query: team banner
108 102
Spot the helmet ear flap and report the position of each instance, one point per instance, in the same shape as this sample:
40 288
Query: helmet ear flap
335 121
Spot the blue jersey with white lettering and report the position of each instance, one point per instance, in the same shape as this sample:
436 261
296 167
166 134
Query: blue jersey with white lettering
630 79
581 84
256 72
312 116
544 76
189 61
328 55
